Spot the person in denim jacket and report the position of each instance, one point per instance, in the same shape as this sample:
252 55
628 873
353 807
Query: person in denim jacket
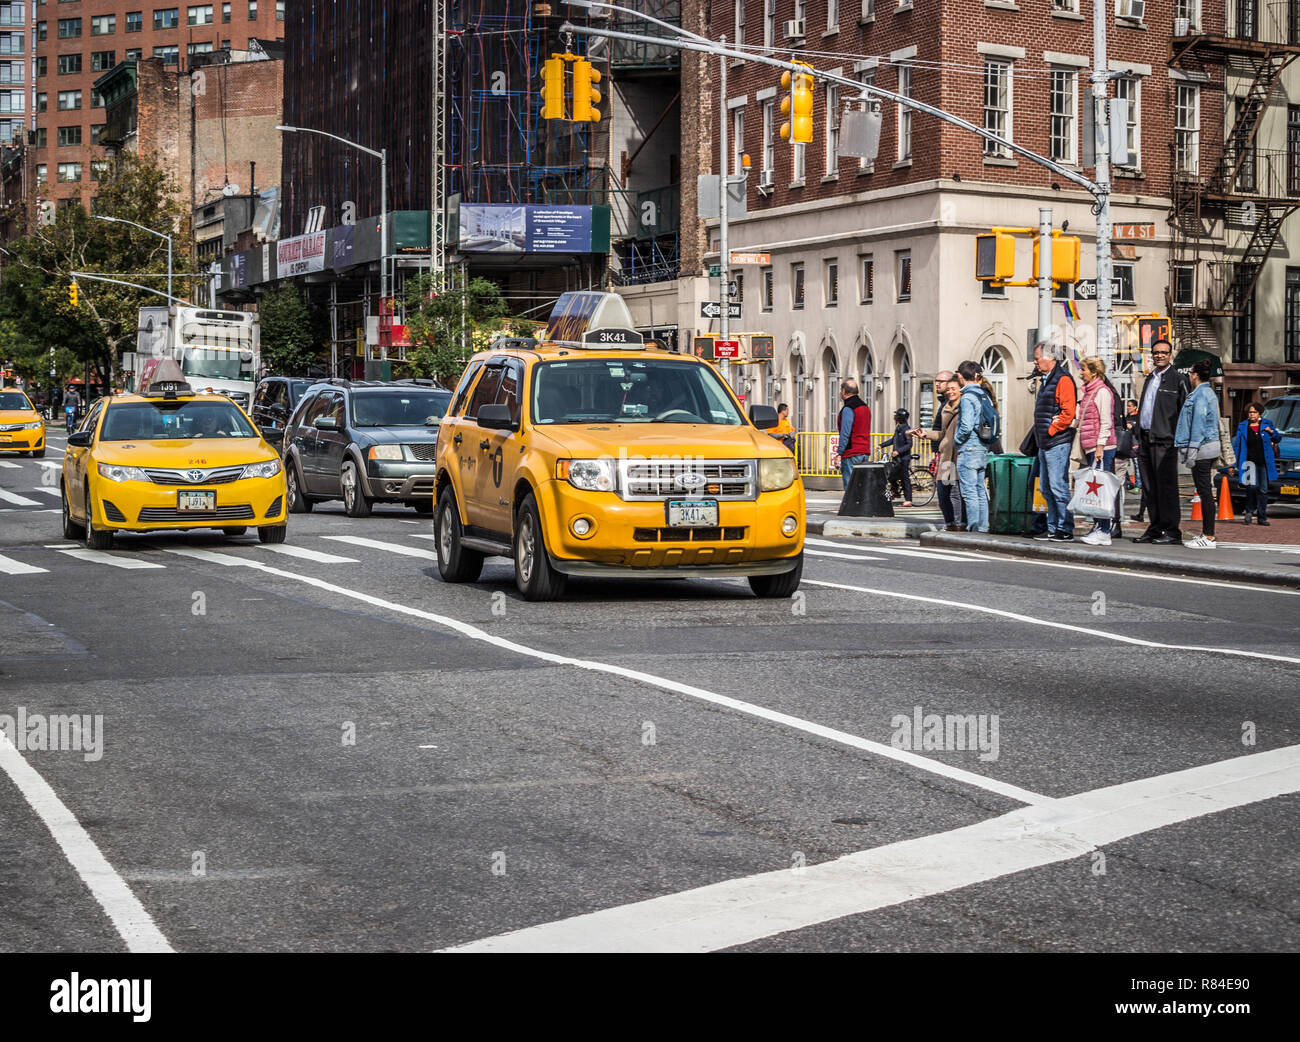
972 454
1197 441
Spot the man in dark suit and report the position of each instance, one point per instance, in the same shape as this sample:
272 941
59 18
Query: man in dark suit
1161 400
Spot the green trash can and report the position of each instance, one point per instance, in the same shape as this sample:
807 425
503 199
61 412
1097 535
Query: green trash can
1011 494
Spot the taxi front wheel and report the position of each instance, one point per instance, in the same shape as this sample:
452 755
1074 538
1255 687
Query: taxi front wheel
534 576
272 533
96 538
71 530
782 585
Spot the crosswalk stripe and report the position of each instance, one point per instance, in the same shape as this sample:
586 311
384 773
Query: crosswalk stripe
7 465
377 544
48 491
17 500
846 557
895 551
307 555
117 561
11 567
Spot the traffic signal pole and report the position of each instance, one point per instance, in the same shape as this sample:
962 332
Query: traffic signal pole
1100 77
724 255
1044 271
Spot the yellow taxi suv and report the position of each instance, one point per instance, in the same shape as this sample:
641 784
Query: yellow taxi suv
588 455
22 427
168 458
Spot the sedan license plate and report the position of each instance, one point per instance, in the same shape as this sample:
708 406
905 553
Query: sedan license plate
1290 490
692 513
197 501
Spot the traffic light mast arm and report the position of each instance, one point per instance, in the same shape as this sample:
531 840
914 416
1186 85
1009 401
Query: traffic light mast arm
694 43
133 285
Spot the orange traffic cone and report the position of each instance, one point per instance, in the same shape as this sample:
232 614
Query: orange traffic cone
1196 508
1225 502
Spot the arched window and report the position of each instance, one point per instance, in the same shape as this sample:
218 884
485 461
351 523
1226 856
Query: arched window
866 376
903 364
798 400
994 364
831 372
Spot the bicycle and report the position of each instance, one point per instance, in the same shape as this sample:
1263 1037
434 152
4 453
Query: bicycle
924 486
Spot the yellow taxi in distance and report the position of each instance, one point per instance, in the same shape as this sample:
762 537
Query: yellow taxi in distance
22 427
589 455
168 458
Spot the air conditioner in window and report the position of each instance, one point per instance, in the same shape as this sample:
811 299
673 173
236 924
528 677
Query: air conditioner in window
766 180
794 29
1134 9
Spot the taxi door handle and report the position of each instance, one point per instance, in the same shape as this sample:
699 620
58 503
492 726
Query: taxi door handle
456 440
484 444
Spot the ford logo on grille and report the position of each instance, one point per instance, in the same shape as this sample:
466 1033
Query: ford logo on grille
691 480
194 475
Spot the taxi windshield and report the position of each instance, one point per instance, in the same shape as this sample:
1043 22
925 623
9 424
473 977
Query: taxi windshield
171 421
630 390
14 400
408 409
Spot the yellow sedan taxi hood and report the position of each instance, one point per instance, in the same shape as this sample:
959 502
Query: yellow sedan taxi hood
704 440
185 452
18 416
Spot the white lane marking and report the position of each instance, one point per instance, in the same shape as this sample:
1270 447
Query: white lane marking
48 491
748 708
740 911
7 465
11 567
17 500
846 557
305 554
116 561
134 925
42 510
379 544
1016 616
896 551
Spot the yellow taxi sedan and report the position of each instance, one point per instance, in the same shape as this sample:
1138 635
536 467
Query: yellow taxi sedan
22 427
170 459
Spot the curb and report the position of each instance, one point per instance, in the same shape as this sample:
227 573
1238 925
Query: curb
880 527
1107 558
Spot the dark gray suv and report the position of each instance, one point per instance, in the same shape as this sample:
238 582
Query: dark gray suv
364 442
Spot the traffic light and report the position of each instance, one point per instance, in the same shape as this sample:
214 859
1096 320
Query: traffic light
72 294
995 257
702 346
1151 329
798 106
585 94
553 88
1066 251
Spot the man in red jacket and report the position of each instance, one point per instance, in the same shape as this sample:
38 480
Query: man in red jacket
855 431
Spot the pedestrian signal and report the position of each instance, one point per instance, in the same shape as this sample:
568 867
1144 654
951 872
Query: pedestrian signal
702 346
585 94
995 257
760 347
1152 329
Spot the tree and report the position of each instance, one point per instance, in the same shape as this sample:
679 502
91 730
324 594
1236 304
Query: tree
448 320
289 343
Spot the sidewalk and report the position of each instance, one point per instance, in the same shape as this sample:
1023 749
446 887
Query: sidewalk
907 523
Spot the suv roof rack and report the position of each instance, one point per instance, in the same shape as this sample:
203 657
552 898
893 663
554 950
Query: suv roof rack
421 381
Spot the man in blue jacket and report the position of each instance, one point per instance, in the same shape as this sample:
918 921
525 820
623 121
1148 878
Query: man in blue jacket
970 449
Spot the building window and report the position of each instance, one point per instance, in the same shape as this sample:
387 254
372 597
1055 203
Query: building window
133 54
96 100
96 129
1187 128
70 171
738 140
103 25
796 286
102 61
1184 285
69 99
279 10
1247 114
252 10
765 289
199 15
42 173
831 282
1243 326
69 136
41 67
832 130
1063 102
134 21
740 23
166 17
866 278
904 123
42 30
42 101
997 106
170 54
867 77
832 16
69 27
1292 315
1068 6
769 139
12 43
903 271
42 138
199 48
98 169
69 63
769 22
738 277
225 12
11 101
1124 274
1130 89
868 11
799 159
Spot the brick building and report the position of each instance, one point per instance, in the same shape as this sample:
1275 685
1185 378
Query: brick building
77 42
872 263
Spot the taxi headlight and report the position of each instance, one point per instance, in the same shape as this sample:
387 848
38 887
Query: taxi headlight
594 475
266 469
775 474
33 426
113 472
385 452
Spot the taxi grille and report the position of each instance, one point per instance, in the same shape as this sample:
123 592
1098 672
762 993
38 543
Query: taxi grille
239 513
219 476
661 479
687 535
424 451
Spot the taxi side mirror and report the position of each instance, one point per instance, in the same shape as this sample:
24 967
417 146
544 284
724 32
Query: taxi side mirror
80 439
495 418
762 416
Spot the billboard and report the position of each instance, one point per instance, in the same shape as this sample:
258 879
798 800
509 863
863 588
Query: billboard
300 255
503 228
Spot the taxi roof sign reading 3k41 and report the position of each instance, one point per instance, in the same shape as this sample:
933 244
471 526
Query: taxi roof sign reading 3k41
609 337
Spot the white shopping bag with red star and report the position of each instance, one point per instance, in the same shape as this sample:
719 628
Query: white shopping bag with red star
1094 493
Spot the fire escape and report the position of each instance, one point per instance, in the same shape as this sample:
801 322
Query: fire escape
1250 192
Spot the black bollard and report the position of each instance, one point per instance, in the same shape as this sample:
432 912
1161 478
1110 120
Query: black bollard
867 494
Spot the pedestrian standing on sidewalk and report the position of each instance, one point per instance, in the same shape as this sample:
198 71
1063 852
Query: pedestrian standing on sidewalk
855 431
1131 465
1256 442
900 446
1161 400
977 424
1097 433
996 446
1197 439
954 514
1055 408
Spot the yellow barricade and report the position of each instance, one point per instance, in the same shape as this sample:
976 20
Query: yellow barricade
813 451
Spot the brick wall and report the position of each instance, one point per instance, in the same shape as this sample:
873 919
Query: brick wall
233 122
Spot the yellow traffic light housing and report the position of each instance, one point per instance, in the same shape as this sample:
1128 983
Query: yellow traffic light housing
995 257
553 88
798 106
585 94
1066 252
72 294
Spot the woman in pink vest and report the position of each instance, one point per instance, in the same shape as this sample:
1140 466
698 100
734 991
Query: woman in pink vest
1097 434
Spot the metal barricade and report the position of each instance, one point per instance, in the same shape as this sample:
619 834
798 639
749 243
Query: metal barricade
813 451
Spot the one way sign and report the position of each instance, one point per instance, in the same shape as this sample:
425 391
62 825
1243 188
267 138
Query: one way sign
1086 289
712 309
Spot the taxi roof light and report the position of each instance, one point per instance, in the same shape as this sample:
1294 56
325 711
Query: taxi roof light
162 378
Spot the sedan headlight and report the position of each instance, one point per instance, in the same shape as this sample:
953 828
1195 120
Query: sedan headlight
113 472
266 469
385 452
594 475
775 474
33 426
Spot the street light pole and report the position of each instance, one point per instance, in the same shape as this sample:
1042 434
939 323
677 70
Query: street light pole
1100 77
724 255
161 235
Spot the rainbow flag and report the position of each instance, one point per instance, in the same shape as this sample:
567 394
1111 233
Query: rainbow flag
1071 311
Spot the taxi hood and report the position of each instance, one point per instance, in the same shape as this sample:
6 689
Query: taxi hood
703 440
185 452
18 416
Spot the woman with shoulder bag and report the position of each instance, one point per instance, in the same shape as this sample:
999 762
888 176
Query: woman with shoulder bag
1097 434
1197 441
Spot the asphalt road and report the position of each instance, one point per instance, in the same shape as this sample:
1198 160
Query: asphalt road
322 747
